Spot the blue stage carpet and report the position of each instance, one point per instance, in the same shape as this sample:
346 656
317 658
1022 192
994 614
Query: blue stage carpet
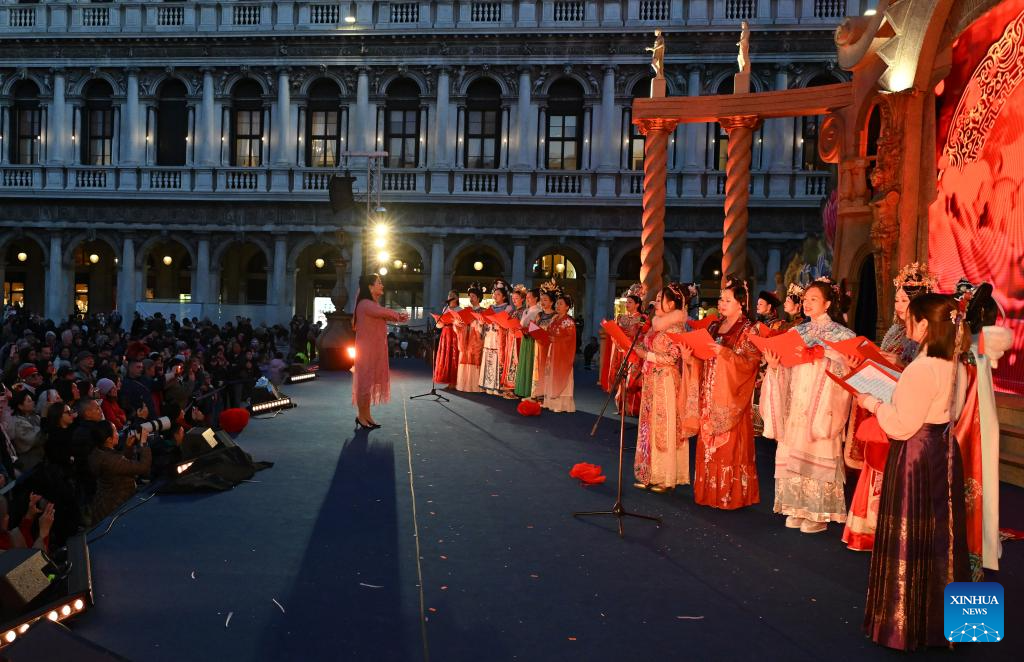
330 533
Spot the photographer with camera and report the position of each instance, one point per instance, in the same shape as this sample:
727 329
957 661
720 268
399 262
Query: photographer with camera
115 472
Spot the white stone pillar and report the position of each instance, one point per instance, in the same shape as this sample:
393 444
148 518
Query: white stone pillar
439 147
437 292
608 127
283 140
355 271
133 139
774 266
278 287
778 134
602 304
126 280
695 148
210 139
5 131
201 282
364 123
519 263
686 265
524 122
56 143
57 303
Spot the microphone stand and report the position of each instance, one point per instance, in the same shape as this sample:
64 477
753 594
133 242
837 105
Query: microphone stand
432 393
618 511
619 376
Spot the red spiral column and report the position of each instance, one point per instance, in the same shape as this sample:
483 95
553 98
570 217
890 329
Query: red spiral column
737 193
652 237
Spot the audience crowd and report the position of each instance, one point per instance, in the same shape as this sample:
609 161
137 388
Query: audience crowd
76 394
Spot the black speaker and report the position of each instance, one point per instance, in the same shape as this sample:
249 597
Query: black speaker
198 441
339 188
22 579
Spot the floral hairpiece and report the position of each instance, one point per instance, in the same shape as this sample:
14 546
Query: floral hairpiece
636 290
824 279
520 289
677 289
795 290
550 286
916 274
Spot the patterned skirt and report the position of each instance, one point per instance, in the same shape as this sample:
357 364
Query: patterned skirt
920 543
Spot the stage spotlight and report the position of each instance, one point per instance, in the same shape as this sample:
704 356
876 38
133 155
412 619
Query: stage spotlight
272 405
53 615
301 377
351 352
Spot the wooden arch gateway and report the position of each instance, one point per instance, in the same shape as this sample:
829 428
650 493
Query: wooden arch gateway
740 115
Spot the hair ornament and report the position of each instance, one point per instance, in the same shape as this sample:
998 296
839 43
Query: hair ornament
916 274
550 287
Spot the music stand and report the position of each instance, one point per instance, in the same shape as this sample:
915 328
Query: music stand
432 393
617 510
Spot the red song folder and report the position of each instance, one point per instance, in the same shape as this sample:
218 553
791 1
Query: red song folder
538 334
467 316
446 318
700 341
862 348
703 323
790 348
870 378
498 318
619 337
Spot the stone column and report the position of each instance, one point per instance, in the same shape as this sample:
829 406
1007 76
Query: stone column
355 271
686 265
56 142
5 131
363 120
652 237
524 141
439 147
284 148
774 266
437 292
209 137
126 281
695 148
779 138
602 304
57 303
201 282
608 136
740 129
132 139
519 262
279 284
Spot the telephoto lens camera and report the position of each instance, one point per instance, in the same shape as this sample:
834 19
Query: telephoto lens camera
155 425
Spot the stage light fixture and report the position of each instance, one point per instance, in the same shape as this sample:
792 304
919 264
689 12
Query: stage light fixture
22 256
94 258
10 636
272 405
65 610
319 262
53 616
183 467
302 377
79 605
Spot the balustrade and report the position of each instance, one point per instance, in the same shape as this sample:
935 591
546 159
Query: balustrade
136 16
18 178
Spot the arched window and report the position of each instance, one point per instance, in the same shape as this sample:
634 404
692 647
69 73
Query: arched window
564 126
323 124
635 140
247 124
171 123
98 124
26 120
402 123
483 124
807 143
554 265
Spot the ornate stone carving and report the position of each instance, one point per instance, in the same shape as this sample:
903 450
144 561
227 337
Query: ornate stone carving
830 139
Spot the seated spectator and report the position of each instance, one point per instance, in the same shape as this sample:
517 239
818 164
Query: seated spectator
108 390
114 471
23 428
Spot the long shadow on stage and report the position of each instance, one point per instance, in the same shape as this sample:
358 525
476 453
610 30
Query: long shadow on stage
345 602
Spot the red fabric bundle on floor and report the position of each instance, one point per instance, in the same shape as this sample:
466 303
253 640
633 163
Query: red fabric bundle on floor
588 474
233 421
528 408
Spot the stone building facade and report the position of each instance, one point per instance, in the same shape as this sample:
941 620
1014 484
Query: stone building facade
178 154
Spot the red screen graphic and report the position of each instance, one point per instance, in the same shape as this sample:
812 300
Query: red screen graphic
976 224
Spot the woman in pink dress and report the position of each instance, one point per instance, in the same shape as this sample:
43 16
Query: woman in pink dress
371 380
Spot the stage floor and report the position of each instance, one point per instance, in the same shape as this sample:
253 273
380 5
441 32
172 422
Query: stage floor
474 502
